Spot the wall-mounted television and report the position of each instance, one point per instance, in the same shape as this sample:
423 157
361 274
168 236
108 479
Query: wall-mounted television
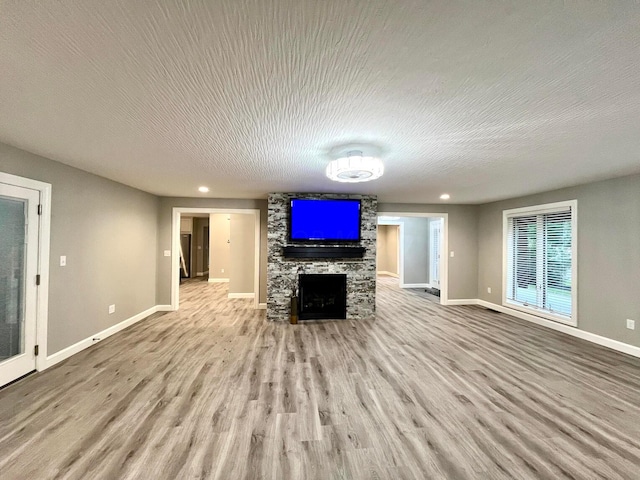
324 220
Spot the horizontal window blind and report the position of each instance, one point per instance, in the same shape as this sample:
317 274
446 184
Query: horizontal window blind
539 263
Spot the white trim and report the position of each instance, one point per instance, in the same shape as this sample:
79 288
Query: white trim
44 242
218 280
97 337
415 285
175 245
444 247
574 332
241 295
200 274
164 308
462 301
564 206
262 306
384 272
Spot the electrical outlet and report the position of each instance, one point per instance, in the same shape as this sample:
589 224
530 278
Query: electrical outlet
63 260
488 289
631 324
222 270
167 253
112 309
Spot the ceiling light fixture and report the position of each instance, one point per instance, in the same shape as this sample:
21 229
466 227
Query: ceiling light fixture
445 196
203 189
354 167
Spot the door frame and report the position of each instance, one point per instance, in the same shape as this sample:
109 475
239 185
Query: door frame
432 227
44 238
175 247
444 248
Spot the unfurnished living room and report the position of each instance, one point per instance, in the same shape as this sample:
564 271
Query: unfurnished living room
319 239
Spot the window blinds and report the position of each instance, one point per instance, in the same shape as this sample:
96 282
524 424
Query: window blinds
539 260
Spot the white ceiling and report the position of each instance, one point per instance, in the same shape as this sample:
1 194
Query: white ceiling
483 100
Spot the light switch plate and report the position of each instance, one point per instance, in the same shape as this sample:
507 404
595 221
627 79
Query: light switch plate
63 260
451 254
167 253
112 309
631 324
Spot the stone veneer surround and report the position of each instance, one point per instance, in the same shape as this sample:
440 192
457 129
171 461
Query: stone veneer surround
282 273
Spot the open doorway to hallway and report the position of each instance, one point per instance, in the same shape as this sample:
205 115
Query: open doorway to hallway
410 253
229 258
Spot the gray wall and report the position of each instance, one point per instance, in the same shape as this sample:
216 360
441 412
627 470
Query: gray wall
416 250
242 253
608 253
463 240
108 233
163 280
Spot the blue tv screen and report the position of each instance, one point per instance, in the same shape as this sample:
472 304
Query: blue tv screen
324 220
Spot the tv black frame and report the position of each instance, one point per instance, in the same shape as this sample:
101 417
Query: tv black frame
325 242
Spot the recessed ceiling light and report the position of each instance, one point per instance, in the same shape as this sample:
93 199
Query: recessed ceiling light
203 189
445 196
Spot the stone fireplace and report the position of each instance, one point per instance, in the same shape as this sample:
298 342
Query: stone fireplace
284 272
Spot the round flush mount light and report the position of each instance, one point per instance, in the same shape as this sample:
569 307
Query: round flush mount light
445 196
203 189
355 167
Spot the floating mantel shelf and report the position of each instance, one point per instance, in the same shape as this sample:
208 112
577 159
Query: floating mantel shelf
329 251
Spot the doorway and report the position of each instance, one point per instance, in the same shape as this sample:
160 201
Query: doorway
421 247
23 260
248 241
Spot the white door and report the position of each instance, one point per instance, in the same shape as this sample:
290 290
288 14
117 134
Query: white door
18 269
435 229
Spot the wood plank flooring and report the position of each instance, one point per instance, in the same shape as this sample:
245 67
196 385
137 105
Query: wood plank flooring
421 391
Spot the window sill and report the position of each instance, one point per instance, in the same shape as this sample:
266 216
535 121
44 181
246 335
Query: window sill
572 322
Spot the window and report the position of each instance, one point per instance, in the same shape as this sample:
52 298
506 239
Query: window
540 260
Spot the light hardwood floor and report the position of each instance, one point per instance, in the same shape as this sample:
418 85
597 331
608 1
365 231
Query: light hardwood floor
422 391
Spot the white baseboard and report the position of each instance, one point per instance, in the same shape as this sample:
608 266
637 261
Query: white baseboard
462 301
165 308
573 331
414 285
241 295
384 272
200 274
89 341
219 280
262 306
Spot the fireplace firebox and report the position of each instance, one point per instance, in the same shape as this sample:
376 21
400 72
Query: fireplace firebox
322 296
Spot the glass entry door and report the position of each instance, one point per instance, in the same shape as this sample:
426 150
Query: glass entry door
18 269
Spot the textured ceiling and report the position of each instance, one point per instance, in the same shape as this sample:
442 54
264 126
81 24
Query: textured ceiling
483 100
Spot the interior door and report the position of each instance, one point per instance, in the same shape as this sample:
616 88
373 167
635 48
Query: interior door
435 231
18 269
205 247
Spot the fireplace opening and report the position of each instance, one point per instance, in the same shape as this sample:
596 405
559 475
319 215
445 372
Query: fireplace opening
322 296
